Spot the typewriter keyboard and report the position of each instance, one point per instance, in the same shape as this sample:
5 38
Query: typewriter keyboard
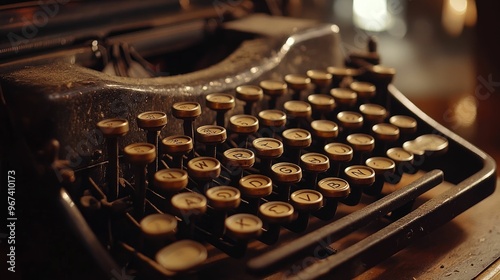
248 186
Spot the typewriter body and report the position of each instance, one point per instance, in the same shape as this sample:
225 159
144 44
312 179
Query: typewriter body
167 112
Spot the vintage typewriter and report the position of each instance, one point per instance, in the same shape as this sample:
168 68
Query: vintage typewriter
212 140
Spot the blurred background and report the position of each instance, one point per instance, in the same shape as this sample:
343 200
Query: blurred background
446 53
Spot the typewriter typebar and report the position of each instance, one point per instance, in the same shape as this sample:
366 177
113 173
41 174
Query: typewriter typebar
259 165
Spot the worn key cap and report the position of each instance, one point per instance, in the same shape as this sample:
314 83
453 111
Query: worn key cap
273 89
204 170
345 98
284 174
297 83
267 149
321 105
222 199
349 122
139 155
170 180
243 125
237 160
323 131
373 113
243 226
359 177
177 146
250 94
407 126
304 202
112 129
339 154
272 121
220 103
297 112
159 227
362 144
153 122
404 163
295 140
384 168
188 112
254 187
313 164
386 136
321 79
182 256
211 136
333 189
366 91
274 214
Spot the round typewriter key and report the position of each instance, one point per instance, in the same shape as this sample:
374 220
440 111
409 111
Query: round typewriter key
272 118
273 89
250 94
314 163
243 226
189 204
359 177
321 79
431 144
211 136
221 103
296 139
159 226
297 83
139 155
182 256
406 125
267 149
177 146
386 132
342 76
204 170
346 98
381 73
321 104
350 120
373 113
384 168
112 129
364 90
404 163
240 157
223 197
361 142
332 189
284 174
245 124
324 129
304 201
297 109
171 180
186 110
256 185
276 212
153 120
339 152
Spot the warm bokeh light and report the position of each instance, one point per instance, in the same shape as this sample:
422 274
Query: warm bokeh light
371 15
457 14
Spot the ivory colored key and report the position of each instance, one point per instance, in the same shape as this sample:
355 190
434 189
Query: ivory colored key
297 83
384 170
237 160
339 154
112 129
139 155
362 144
177 146
243 226
366 91
271 120
153 122
211 136
161 227
189 206
273 89
342 76
182 256
284 174
345 98
427 145
313 164
404 163
220 103
170 180
321 105
407 126
349 123
250 94
267 149
323 130
243 125
373 113
221 199
386 136
254 187
295 140
359 178
297 112
304 202
188 112
321 79
333 189
204 170
274 214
